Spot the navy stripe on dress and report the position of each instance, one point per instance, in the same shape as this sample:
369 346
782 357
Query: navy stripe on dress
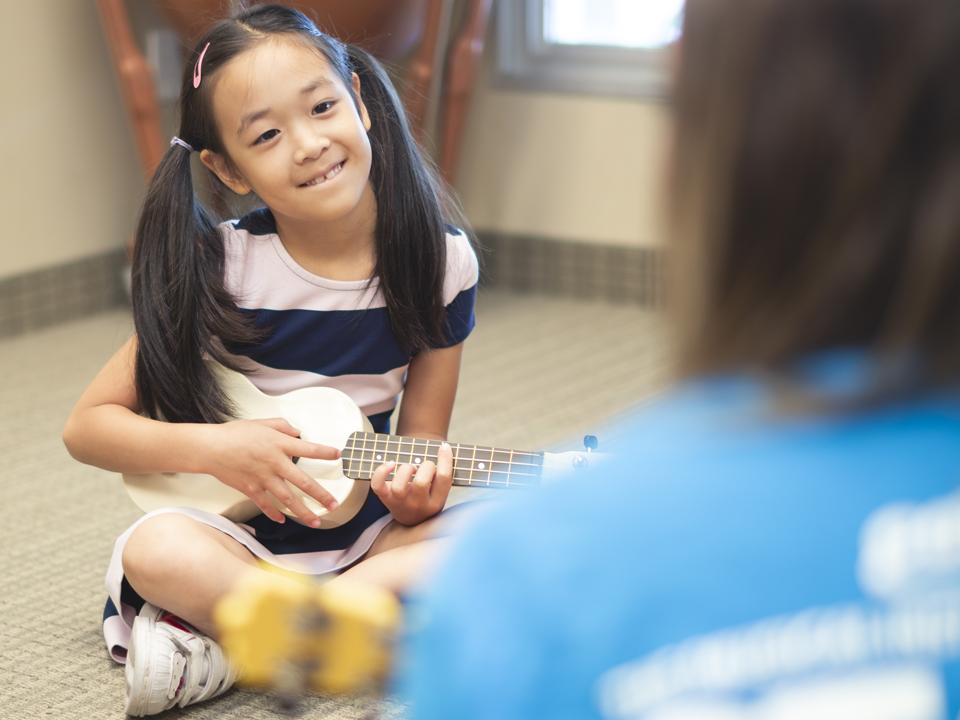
293 343
258 222
364 344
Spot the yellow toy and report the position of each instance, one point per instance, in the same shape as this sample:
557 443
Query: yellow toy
299 635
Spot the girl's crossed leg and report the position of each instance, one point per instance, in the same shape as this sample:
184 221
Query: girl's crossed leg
185 567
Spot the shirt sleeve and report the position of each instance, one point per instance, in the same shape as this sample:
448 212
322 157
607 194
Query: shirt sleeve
460 287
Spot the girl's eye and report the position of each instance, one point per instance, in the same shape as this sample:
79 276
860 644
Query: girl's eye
268 135
323 107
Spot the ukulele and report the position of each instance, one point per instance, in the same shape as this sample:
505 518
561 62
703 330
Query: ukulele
330 417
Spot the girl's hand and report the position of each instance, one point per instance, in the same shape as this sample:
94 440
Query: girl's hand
256 456
413 502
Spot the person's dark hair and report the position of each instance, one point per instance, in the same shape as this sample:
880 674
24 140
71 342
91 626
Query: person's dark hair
816 182
182 311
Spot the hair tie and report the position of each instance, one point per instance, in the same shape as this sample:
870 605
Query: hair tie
196 68
177 141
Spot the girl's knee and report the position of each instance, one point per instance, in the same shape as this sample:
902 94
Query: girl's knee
152 549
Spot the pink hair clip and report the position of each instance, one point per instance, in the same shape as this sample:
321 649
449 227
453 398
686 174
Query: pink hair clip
196 68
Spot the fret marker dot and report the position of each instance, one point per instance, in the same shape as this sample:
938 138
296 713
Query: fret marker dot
379 457
417 460
481 466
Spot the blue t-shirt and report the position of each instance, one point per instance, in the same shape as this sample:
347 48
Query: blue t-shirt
733 562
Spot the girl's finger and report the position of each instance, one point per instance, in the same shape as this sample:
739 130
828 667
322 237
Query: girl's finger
311 487
400 485
445 464
294 503
378 483
266 507
303 448
443 479
424 477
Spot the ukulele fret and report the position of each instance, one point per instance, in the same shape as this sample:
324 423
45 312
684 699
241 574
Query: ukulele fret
419 455
483 462
380 453
363 452
458 460
509 462
473 463
499 468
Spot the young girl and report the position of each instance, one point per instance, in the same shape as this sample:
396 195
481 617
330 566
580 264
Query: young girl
348 278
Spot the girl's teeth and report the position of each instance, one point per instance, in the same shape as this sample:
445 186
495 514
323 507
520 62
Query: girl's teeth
329 176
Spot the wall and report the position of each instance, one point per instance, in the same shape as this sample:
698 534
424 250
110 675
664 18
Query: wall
568 167
70 181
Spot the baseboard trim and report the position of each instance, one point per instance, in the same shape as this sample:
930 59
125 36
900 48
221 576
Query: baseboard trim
571 269
48 297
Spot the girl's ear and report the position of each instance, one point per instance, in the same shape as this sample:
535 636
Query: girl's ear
222 170
355 81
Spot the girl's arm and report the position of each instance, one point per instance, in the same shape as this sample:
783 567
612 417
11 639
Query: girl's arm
105 428
253 456
429 393
413 495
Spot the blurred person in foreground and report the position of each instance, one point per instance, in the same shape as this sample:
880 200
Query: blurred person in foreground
780 534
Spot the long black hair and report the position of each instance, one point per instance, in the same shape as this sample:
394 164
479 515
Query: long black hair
182 310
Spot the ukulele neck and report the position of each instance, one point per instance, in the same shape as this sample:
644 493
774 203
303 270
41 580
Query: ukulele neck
473 465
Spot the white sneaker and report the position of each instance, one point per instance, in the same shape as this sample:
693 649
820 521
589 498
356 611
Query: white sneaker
171 663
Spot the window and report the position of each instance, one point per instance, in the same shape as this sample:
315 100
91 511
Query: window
608 47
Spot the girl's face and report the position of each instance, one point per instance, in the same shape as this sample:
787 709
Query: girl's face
293 135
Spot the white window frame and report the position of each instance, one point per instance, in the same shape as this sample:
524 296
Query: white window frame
525 61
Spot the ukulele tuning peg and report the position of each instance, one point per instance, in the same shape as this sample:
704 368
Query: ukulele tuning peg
590 442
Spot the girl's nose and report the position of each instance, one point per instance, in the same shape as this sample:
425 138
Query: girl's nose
310 144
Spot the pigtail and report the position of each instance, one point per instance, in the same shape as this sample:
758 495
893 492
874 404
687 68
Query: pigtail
181 309
411 254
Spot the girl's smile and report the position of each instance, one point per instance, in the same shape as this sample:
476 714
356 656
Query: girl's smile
327 176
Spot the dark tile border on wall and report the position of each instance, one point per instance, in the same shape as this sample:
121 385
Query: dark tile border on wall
55 295
571 269
514 262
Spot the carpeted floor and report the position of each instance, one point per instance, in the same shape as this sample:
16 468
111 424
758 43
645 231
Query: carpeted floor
538 373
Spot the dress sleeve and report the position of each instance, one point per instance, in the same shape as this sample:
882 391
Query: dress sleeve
460 287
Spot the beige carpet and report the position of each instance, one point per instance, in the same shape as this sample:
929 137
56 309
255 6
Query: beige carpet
538 373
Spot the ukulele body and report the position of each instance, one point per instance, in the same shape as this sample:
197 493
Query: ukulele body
323 415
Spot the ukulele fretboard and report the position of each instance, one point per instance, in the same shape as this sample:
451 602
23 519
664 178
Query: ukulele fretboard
473 465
